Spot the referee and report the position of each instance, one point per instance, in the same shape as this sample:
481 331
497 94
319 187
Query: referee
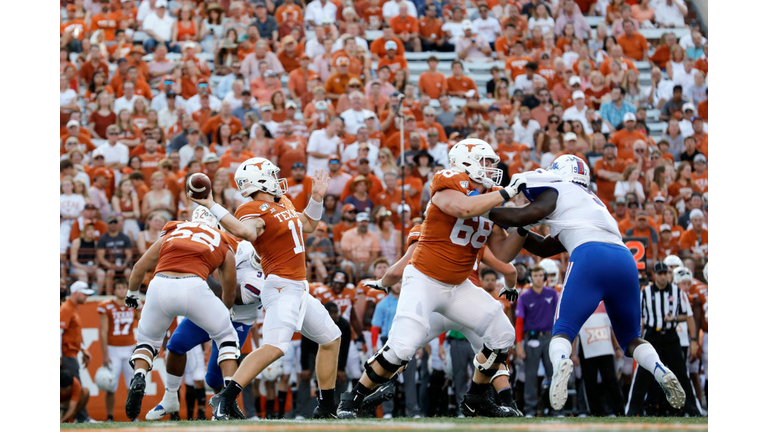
663 307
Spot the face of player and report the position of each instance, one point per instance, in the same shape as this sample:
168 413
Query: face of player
489 283
121 291
537 279
684 285
379 270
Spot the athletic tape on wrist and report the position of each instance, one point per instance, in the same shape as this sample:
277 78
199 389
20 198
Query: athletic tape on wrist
218 211
314 209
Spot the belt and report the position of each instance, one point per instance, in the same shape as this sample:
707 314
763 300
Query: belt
664 331
176 277
537 333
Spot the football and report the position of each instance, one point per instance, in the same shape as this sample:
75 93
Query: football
198 186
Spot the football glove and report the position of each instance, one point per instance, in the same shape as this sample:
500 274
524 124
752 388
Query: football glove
132 300
509 293
376 284
518 181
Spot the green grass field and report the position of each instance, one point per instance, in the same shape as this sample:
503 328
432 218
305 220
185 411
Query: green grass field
443 423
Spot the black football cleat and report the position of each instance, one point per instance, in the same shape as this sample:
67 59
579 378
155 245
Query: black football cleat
513 406
382 394
483 406
322 412
135 396
220 407
175 416
235 413
347 408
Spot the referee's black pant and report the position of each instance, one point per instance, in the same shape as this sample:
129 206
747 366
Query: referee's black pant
609 390
667 344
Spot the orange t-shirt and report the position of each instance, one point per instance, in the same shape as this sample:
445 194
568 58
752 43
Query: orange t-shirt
432 83
462 84
344 300
441 136
689 240
605 188
667 249
106 22
704 109
213 123
701 181
503 46
516 65
429 27
193 247
633 47
297 82
231 163
624 141
448 246
69 321
290 63
149 165
340 228
282 11
289 151
79 26
408 25
122 320
281 245
399 62
626 64
377 47
299 193
517 167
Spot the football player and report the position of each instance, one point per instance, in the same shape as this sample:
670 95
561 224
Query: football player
188 335
453 232
600 268
276 230
183 257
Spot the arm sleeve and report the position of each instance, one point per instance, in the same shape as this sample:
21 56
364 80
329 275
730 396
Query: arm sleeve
375 334
519 329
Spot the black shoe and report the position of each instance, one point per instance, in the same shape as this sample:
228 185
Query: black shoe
175 416
201 414
382 394
135 396
347 408
322 412
220 407
513 406
482 406
235 412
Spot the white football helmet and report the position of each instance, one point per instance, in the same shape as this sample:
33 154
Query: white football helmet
673 261
104 379
259 174
470 156
203 215
273 371
552 270
682 274
571 168
705 272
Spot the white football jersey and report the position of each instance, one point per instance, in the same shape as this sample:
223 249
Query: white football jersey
251 281
579 217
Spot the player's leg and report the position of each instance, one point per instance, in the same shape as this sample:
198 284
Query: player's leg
198 383
213 376
187 336
583 289
473 308
159 310
320 328
419 297
109 395
289 360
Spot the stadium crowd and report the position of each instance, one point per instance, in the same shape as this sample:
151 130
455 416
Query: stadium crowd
154 91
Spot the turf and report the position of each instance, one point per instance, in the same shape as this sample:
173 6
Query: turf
443 423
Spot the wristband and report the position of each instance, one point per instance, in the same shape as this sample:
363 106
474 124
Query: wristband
314 209
522 232
133 294
218 211
694 339
504 194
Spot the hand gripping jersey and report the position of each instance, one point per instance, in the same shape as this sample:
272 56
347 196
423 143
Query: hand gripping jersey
281 245
448 246
122 320
579 217
344 300
251 281
193 247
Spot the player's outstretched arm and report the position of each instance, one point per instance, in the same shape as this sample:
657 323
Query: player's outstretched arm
228 274
314 210
542 246
457 204
247 230
540 208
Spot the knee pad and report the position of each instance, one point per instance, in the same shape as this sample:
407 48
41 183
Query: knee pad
493 358
138 355
390 366
228 350
501 371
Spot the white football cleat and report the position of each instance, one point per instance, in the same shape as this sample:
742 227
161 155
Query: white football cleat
558 390
169 404
670 385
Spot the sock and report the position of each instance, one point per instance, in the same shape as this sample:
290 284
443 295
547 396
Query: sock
270 407
505 396
559 348
477 388
200 396
360 392
172 383
281 398
231 392
141 371
189 396
170 395
647 357
327 398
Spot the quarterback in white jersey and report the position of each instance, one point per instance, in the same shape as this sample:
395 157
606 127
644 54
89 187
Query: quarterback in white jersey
601 268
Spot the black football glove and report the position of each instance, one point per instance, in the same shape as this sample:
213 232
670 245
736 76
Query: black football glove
510 294
132 300
376 284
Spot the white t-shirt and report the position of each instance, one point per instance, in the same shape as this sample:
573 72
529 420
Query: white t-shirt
572 113
187 152
489 28
526 85
67 97
546 24
316 11
392 9
71 205
350 152
454 29
339 45
525 134
354 120
114 153
320 143
686 80
162 27
123 103
193 104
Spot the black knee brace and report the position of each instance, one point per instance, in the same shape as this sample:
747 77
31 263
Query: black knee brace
493 359
386 364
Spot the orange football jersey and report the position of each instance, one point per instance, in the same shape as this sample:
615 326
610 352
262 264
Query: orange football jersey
344 300
281 245
193 247
374 295
122 320
448 246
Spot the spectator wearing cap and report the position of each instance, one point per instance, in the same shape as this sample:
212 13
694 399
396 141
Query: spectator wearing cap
608 171
90 216
114 252
247 104
337 83
317 10
472 47
346 223
195 103
359 195
338 178
571 146
688 113
668 244
624 139
299 186
266 23
487 25
643 228
664 305
159 27
98 191
71 339
579 109
249 67
289 55
393 61
365 169
360 247
632 207
210 164
458 84
692 203
700 174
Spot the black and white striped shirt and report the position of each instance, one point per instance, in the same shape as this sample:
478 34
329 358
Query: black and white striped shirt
658 304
